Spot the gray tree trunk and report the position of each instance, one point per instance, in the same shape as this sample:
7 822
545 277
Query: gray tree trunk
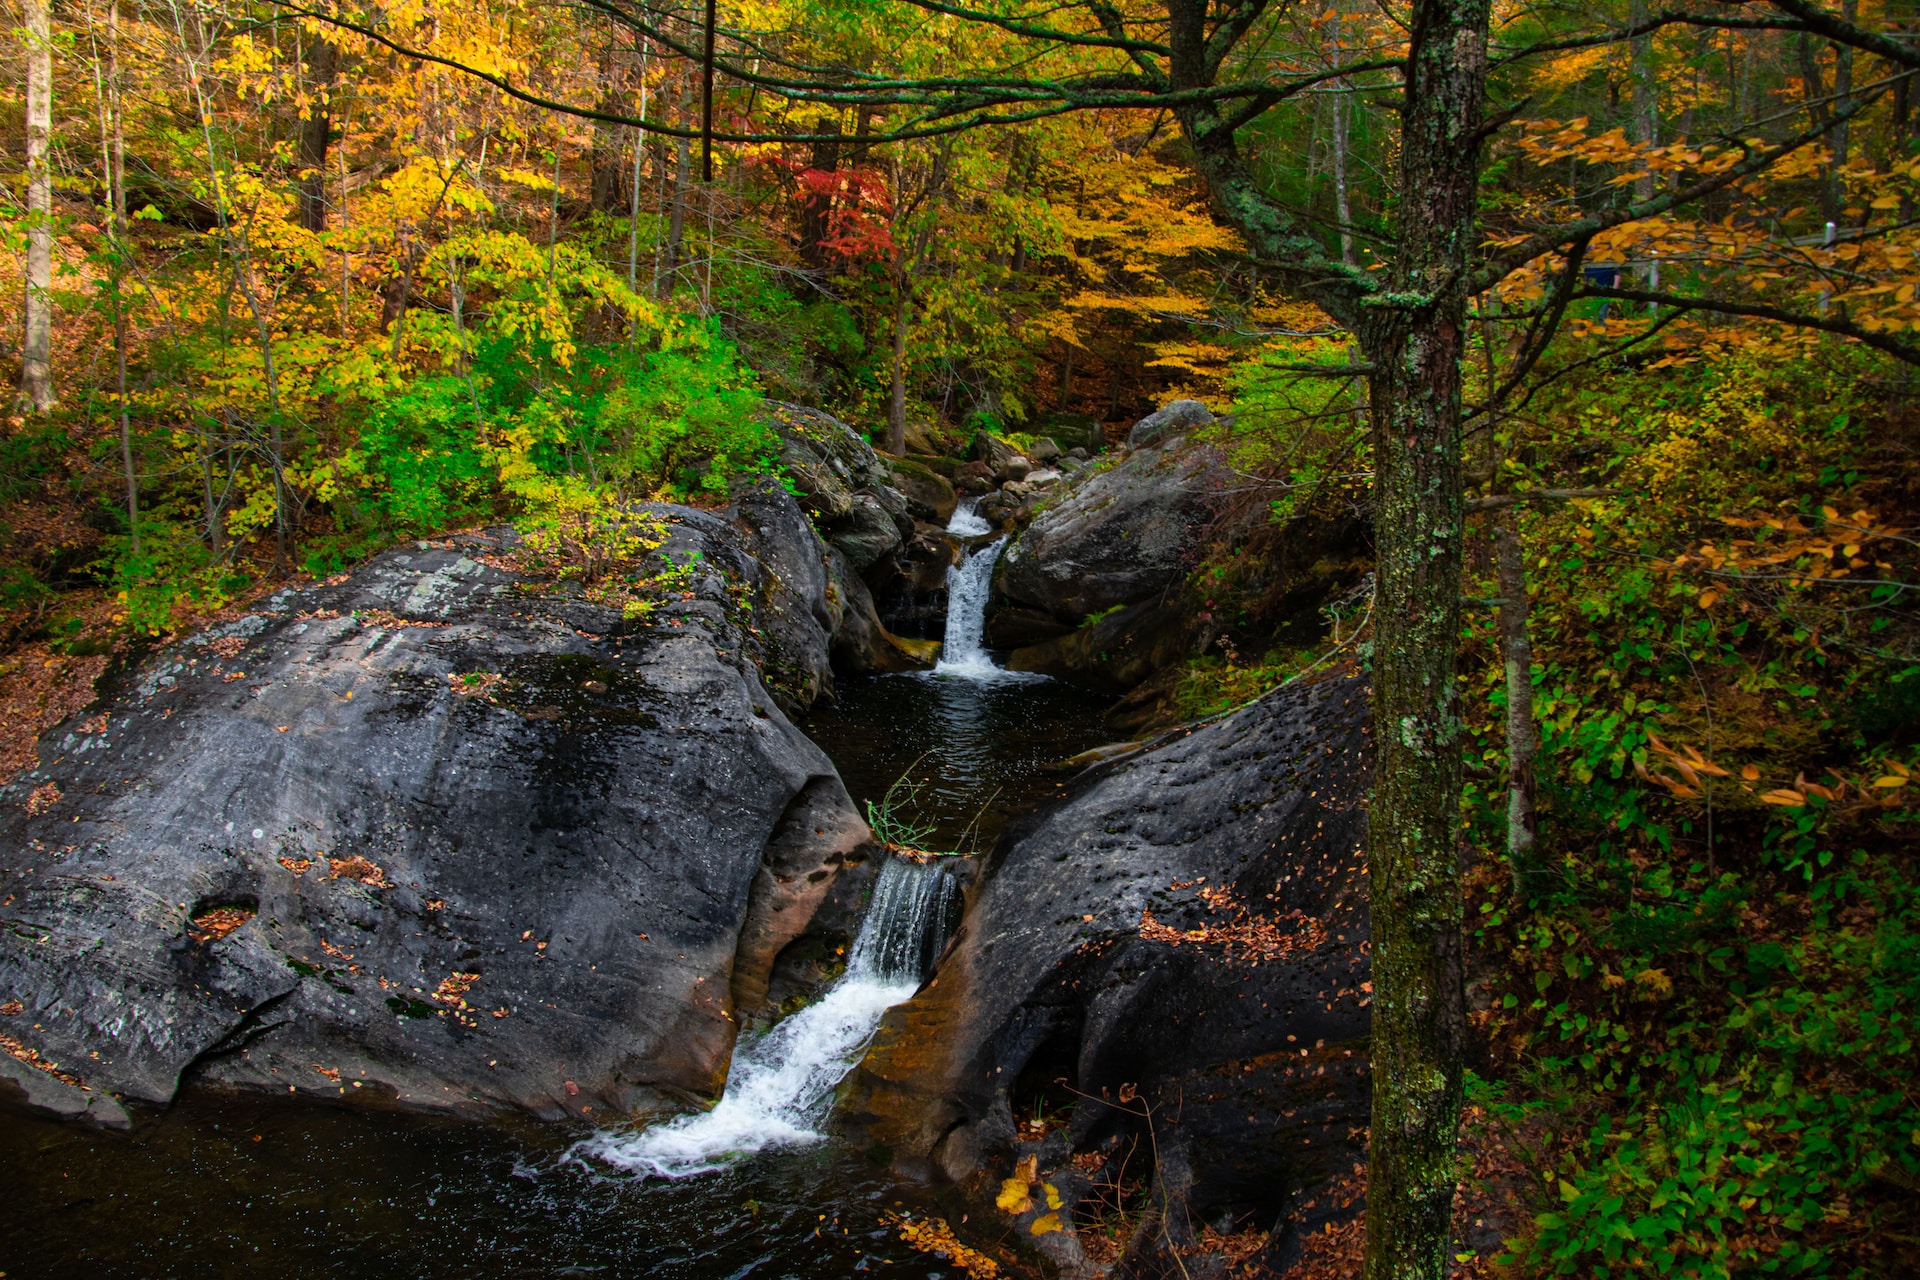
36 358
1523 735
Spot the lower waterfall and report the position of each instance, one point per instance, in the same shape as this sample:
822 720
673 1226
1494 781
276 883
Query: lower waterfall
780 1085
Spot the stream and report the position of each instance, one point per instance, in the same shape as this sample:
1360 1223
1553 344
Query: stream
756 1187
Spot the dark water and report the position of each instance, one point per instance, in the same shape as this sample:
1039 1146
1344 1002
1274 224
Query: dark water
329 1192
978 744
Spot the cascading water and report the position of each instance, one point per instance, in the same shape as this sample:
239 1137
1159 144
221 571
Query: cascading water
781 1085
968 585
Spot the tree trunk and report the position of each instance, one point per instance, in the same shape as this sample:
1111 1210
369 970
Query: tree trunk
677 215
816 207
36 359
113 164
1523 736
315 132
897 400
1646 123
1416 344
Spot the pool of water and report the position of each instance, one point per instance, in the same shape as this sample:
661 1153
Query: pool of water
222 1187
977 748
250 1187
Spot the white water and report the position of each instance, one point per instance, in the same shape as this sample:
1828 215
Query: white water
962 656
780 1086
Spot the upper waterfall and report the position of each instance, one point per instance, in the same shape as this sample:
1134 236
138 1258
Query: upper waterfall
969 583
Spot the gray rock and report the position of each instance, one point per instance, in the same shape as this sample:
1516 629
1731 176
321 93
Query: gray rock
1043 478
1115 537
1081 980
1017 467
867 534
861 644
1044 450
929 495
1177 418
41 1093
559 891
993 451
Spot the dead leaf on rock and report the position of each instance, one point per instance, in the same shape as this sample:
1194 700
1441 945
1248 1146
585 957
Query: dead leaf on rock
359 868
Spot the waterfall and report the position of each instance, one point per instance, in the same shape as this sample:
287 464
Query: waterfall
968 585
780 1086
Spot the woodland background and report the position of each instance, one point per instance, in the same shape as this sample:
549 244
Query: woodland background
311 296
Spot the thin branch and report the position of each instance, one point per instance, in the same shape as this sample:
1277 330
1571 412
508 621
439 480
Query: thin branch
1844 328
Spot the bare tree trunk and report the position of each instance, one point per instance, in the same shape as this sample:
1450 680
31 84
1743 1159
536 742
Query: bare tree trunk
1646 124
897 400
315 132
1523 735
1419 1014
36 359
677 216
114 169
1342 118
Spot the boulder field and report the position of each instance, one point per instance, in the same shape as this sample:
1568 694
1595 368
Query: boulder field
1160 985
435 835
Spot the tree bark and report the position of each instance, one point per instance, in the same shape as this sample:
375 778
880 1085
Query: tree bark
897 398
36 359
677 215
113 164
1523 735
315 133
1416 340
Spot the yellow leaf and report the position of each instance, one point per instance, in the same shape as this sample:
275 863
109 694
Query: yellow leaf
1788 799
1013 1197
1889 782
1707 599
1046 1223
1053 1195
1894 766
1750 772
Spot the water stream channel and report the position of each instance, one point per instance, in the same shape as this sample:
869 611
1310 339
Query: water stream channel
755 1187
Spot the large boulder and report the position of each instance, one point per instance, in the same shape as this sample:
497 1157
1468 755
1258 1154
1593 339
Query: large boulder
842 484
1161 986
437 835
929 494
1117 536
1113 653
1178 418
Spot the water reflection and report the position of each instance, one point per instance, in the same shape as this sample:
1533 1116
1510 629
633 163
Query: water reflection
978 743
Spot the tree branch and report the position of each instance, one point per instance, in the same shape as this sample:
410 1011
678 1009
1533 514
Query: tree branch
1497 267
1902 351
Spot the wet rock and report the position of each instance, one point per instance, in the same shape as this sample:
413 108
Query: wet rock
1115 652
1118 536
1044 450
436 837
1017 628
1178 418
861 644
45 1094
1171 963
1015 469
973 477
